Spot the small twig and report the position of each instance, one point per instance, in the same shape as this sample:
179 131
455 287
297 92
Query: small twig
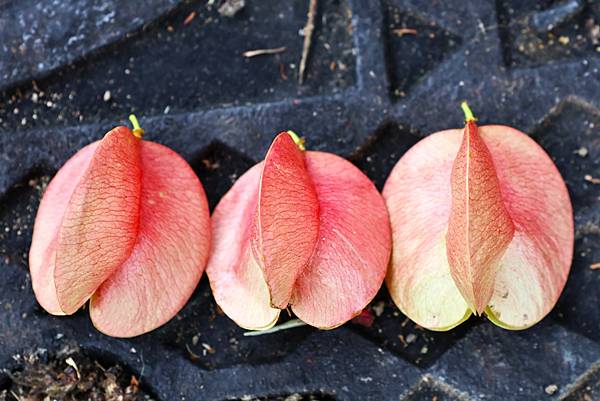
308 32
282 73
262 52
404 31
591 179
595 266
290 324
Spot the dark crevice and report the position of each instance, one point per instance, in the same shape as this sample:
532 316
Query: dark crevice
384 324
382 150
412 53
218 166
205 336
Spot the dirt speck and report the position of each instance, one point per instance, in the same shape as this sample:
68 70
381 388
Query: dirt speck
551 389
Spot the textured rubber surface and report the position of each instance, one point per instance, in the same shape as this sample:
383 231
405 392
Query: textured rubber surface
371 92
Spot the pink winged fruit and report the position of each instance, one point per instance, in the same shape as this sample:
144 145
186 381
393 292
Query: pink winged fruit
305 230
481 223
124 224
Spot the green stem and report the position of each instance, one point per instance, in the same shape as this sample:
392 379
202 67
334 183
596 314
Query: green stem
468 113
297 140
137 130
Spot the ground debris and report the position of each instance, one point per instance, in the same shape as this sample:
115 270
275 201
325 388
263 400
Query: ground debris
262 52
404 31
308 35
231 7
551 389
68 375
582 151
591 179
378 308
364 318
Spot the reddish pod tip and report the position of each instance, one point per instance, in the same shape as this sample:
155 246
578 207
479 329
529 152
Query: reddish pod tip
479 226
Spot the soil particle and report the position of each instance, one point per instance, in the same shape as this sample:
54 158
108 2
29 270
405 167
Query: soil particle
551 389
231 7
